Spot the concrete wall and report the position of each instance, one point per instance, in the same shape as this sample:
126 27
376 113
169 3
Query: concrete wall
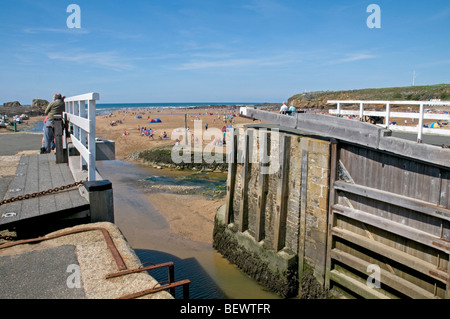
274 225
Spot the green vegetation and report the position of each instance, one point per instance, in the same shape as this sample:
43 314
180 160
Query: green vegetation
409 93
162 156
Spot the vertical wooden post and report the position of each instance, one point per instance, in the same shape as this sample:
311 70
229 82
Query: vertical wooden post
243 205
420 128
185 130
281 201
92 142
61 156
76 111
82 136
303 204
334 159
232 164
388 115
264 144
361 111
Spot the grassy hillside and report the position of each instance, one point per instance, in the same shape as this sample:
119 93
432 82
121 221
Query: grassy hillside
410 93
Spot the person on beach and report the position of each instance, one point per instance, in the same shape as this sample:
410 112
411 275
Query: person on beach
292 110
57 107
283 108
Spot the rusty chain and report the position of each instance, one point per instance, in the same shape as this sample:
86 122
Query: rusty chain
42 193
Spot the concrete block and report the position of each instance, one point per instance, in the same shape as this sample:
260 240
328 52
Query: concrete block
100 196
105 150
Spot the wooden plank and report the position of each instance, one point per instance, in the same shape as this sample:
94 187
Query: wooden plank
232 166
393 254
395 228
85 97
46 203
263 182
62 199
386 277
303 204
243 204
281 199
10 213
447 290
334 161
75 197
356 286
395 199
30 207
445 188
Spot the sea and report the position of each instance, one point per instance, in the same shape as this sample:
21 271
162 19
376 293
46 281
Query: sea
103 108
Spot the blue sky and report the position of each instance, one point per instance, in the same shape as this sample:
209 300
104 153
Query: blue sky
217 50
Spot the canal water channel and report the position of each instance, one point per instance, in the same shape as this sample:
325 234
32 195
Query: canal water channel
148 232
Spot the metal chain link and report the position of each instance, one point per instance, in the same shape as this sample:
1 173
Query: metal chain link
39 194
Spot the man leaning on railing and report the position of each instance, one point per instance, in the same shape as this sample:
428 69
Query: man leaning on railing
57 107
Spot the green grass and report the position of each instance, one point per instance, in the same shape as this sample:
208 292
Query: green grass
409 93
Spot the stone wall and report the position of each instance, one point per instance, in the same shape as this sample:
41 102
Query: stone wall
275 242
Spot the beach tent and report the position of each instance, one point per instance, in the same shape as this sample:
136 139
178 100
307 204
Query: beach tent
138 116
434 125
155 121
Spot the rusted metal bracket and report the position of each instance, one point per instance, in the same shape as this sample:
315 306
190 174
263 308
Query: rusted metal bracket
185 283
141 269
170 266
109 242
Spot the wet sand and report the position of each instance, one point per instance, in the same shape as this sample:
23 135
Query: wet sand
195 221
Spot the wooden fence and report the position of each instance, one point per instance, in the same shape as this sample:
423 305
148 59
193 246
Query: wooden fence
419 114
83 121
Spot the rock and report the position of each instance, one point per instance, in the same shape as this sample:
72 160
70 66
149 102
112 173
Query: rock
38 103
12 104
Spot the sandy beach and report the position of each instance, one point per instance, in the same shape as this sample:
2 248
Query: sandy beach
190 216
171 120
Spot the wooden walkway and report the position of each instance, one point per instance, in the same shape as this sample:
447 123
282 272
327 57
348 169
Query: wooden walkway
36 173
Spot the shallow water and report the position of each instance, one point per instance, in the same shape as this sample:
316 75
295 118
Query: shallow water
147 231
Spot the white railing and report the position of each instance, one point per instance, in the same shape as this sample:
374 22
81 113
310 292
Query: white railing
82 119
388 115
